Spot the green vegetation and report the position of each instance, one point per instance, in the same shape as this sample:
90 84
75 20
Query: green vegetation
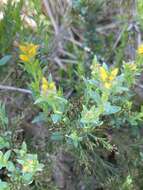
71 103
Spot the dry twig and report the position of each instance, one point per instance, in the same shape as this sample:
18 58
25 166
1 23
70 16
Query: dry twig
11 88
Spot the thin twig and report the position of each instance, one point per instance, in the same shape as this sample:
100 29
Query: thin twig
58 61
139 85
119 37
8 75
69 61
67 53
109 26
11 88
74 41
69 93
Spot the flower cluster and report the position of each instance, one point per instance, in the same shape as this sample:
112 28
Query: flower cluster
28 52
44 91
32 66
107 77
47 87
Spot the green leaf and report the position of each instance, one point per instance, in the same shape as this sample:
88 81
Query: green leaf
40 100
20 161
95 96
56 118
91 116
39 118
1 154
7 155
10 166
74 139
3 143
109 109
24 147
56 136
4 185
27 178
141 155
5 59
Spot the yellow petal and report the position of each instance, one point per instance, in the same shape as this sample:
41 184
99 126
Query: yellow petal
45 85
103 74
23 48
44 81
24 58
140 49
113 74
33 50
29 49
52 86
44 89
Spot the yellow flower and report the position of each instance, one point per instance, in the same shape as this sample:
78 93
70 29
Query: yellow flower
140 49
44 81
44 86
28 50
32 50
113 74
107 76
103 74
47 87
52 86
24 58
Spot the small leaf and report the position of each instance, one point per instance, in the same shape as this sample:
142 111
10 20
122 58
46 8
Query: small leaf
5 59
95 96
24 147
4 185
56 118
109 109
27 178
40 100
7 155
3 143
56 136
39 118
10 166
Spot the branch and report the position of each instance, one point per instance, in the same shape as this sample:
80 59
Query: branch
49 12
64 52
74 41
109 26
59 63
11 88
